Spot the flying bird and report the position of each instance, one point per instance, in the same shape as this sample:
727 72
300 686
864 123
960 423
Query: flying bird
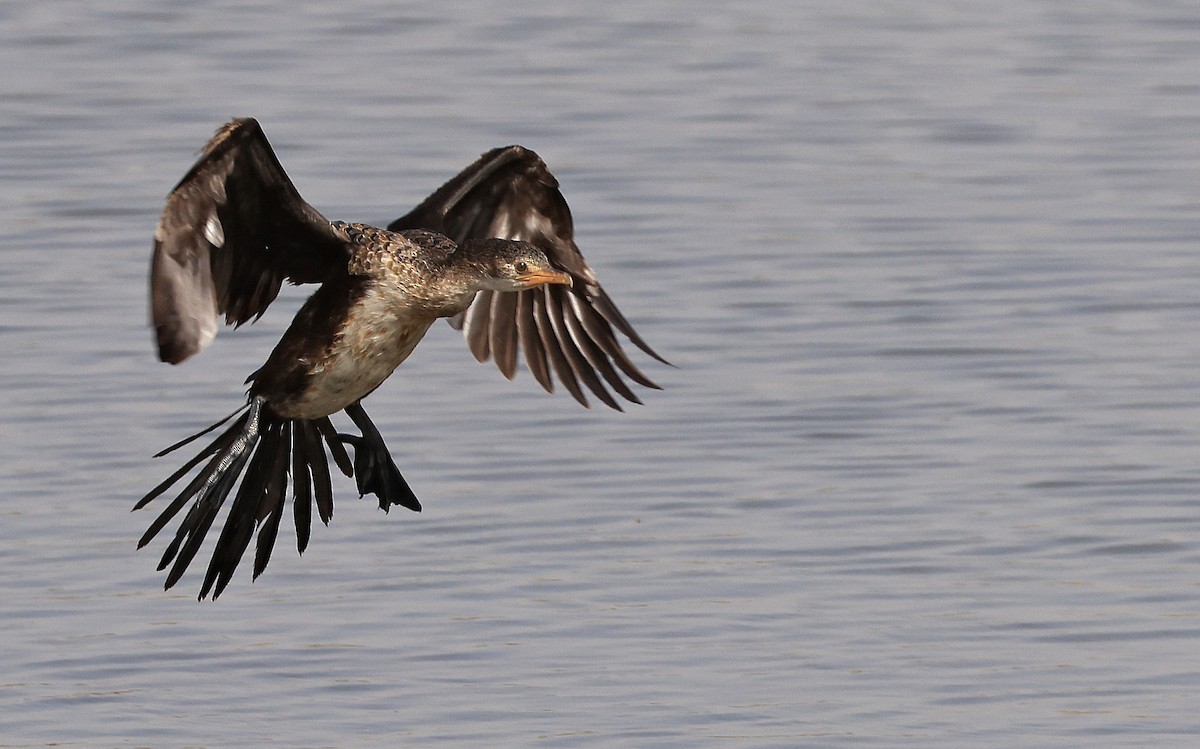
492 250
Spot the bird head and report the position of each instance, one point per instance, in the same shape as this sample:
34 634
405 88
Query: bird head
509 265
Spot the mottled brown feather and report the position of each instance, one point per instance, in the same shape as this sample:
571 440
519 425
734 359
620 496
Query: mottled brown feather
238 194
235 228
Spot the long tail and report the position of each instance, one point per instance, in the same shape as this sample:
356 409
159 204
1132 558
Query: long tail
262 449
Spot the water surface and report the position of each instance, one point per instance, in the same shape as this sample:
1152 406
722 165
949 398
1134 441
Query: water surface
926 473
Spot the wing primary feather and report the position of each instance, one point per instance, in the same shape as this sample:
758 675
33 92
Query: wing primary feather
503 333
531 342
476 321
576 359
597 358
510 193
452 196
608 309
599 331
554 352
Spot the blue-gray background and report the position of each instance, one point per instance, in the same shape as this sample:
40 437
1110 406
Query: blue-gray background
926 473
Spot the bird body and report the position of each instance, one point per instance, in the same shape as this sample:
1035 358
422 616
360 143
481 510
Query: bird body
309 376
396 286
492 250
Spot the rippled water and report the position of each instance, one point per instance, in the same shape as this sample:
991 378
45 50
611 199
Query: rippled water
926 473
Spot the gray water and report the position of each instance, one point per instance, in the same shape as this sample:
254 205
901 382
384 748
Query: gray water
926 473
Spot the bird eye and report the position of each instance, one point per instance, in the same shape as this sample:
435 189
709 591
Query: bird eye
521 266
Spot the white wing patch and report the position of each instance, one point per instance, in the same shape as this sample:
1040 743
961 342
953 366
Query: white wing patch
527 228
214 232
208 330
538 224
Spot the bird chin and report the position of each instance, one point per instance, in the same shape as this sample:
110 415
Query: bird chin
506 284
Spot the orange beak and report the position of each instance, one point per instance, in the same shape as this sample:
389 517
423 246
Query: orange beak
540 276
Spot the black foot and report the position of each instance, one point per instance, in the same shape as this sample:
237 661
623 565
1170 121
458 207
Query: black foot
374 470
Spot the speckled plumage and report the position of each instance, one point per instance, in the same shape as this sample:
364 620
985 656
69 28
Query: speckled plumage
413 261
398 284
492 249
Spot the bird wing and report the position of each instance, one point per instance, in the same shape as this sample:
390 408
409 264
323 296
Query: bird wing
232 230
510 194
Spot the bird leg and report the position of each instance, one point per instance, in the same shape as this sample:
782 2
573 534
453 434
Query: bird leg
374 470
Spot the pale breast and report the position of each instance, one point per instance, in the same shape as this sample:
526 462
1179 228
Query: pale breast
375 339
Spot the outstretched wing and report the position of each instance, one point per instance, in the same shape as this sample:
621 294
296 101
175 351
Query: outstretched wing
232 230
510 194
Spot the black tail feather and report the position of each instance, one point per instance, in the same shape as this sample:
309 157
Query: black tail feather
270 511
183 548
173 509
243 514
260 449
319 468
336 448
198 435
302 489
217 445
230 464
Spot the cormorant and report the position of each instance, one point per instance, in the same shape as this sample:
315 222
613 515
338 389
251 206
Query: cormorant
492 250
